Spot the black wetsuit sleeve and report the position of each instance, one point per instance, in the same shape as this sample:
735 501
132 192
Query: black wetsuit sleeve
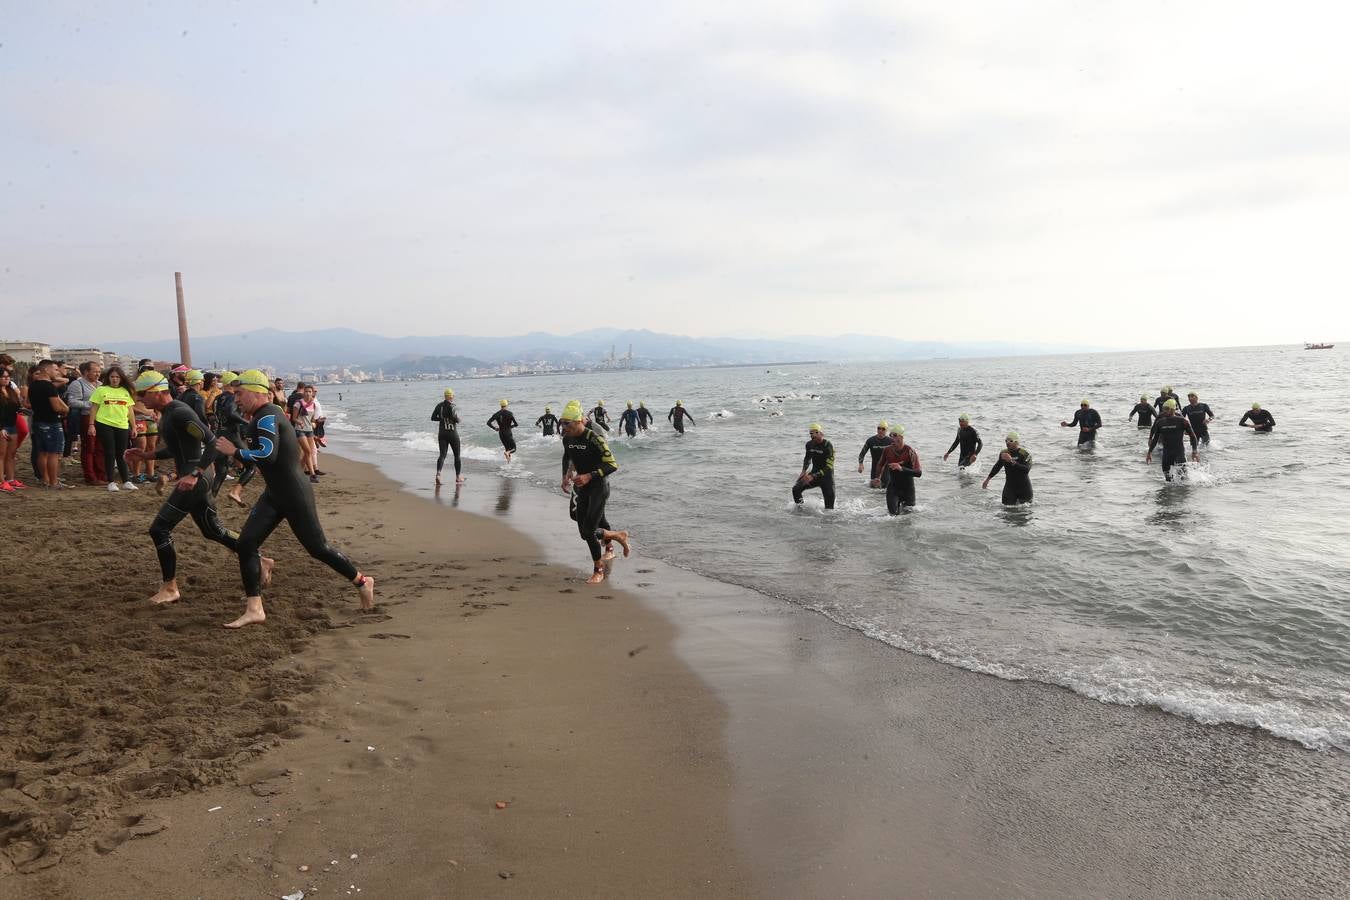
566 459
829 458
492 421
979 444
862 454
1020 462
1078 418
1153 434
607 464
998 466
266 433
1246 417
436 413
955 443
806 460
513 423
1195 442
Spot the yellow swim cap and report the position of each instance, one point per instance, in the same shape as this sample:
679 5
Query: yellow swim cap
254 381
572 412
548 409
504 404
883 424
1167 390
1256 406
194 377
150 381
228 378
449 394
1013 436
630 404
898 430
1143 397
679 403
964 417
815 426
1170 404
1084 402
599 403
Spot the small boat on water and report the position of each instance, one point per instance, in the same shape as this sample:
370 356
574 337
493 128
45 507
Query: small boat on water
1318 346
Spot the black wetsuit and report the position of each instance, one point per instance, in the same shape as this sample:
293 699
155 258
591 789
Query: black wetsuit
502 422
272 446
900 485
1145 412
1088 421
819 460
629 422
600 417
1199 415
229 424
1172 431
447 435
1017 476
548 422
644 418
971 445
1163 398
589 455
677 415
194 400
188 441
874 445
1261 418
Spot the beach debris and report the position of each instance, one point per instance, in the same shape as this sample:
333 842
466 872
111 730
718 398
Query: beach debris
303 869
503 874
371 749
353 856
636 650
214 808
298 895
502 804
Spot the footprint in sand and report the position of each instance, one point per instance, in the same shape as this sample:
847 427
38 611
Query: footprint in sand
645 571
644 584
567 591
384 635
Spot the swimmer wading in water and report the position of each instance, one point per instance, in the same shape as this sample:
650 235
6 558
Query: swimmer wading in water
289 495
817 468
502 421
1015 462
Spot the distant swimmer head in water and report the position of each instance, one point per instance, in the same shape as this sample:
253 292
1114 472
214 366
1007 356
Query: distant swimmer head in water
1193 396
642 404
505 404
599 403
449 394
548 409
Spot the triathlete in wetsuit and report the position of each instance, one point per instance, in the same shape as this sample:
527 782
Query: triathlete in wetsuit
629 420
502 421
969 440
678 414
874 445
272 445
901 462
586 466
1260 419
548 422
1200 415
1088 421
1172 429
644 416
599 416
191 394
1163 396
447 435
1144 410
188 441
231 425
817 468
1015 462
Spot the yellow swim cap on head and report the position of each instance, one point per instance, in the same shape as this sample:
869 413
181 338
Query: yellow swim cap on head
1167 390
505 403
1170 404
449 394
883 424
228 378
548 409
964 417
1012 436
1143 397
815 426
1084 402
1256 406
599 403
572 412
630 404
642 404
254 381
194 377
679 403
150 381
1193 394
898 429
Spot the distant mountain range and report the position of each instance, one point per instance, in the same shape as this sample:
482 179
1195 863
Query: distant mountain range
294 351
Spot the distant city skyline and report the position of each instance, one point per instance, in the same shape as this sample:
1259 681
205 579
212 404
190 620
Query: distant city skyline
1106 175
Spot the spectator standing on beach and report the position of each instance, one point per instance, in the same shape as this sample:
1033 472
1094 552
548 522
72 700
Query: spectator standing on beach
10 403
145 439
49 410
81 418
210 391
178 380
302 420
113 408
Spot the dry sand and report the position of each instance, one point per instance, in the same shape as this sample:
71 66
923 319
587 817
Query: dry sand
147 752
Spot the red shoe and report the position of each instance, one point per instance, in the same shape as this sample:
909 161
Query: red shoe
18 484
6 487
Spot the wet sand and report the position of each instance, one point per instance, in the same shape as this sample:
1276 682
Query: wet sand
701 741
225 761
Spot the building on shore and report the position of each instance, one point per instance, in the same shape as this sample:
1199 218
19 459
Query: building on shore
28 352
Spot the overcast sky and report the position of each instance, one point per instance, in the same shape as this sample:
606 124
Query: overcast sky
1111 174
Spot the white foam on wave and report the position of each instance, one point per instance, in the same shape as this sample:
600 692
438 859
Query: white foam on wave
337 421
722 414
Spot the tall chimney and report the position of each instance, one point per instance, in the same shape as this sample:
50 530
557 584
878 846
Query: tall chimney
184 350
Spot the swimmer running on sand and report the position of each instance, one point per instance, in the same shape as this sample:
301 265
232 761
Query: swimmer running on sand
448 433
585 451
272 446
189 442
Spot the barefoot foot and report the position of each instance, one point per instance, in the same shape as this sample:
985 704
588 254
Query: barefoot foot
622 538
252 615
596 577
237 497
609 552
367 593
438 477
459 479
166 594
267 566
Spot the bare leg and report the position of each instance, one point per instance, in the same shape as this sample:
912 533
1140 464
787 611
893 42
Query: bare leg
253 613
167 593
597 576
267 566
366 585
622 538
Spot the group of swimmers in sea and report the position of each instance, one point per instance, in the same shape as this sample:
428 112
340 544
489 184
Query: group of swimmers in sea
895 464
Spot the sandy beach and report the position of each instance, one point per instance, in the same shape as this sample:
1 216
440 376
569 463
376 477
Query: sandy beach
496 726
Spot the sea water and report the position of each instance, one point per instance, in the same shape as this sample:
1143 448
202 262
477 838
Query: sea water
1224 596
